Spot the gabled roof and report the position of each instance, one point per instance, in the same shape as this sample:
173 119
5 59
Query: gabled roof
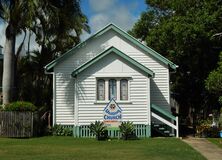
147 49
131 61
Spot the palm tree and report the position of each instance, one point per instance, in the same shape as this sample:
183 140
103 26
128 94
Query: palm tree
18 15
57 25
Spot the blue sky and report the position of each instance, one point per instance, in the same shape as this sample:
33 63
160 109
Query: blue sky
123 13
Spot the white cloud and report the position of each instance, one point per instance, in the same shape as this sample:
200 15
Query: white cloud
101 5
124 18
98 21
110 11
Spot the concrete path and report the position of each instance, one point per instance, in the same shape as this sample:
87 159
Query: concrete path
206 148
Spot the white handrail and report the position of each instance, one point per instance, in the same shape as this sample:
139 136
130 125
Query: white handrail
176 127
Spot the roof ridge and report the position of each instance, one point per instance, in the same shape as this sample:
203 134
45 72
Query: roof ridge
132 39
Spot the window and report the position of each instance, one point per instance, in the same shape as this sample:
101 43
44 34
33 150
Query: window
112 89
123 89
108 88
101 89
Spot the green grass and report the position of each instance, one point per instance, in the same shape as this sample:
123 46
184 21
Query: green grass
68 148
217 141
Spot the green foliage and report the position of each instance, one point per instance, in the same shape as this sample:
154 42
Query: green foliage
213 132
1 108
59 130
202 127
20 106
213 82
183 31
18 15
220 119
98 129
127 129
57 27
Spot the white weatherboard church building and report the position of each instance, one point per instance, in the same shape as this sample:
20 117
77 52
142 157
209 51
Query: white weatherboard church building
112 65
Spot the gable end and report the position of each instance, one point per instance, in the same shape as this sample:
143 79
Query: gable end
138 65
133 40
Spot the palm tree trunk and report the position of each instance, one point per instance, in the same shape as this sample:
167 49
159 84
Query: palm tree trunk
8 67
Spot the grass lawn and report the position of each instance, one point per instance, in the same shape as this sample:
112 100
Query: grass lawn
217 141
68 148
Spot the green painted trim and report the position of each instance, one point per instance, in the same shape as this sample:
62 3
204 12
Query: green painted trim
117 52
76 131
148 131
141 130
155 107
147 49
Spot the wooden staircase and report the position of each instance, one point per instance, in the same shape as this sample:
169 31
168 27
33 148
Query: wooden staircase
163 123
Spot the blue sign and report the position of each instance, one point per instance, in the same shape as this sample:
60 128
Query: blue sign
112 114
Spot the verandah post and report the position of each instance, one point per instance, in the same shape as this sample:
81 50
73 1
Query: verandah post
177 127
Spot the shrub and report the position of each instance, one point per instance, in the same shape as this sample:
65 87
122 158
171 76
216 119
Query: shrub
213 132
99 130
20 106
1 108
127 130
59 130
202 127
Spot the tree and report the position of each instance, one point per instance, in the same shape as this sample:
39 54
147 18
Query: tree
183 32
213 82
57 26
18 16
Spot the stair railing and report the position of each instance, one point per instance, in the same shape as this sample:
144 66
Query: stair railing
168 115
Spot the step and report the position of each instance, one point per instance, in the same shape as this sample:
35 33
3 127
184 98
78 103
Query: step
161 128
166 131
156 125
172 135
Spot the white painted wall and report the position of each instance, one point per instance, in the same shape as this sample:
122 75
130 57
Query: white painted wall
89 110
65 84
64 102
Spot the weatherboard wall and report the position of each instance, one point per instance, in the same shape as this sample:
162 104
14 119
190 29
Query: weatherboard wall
136 109
64 88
